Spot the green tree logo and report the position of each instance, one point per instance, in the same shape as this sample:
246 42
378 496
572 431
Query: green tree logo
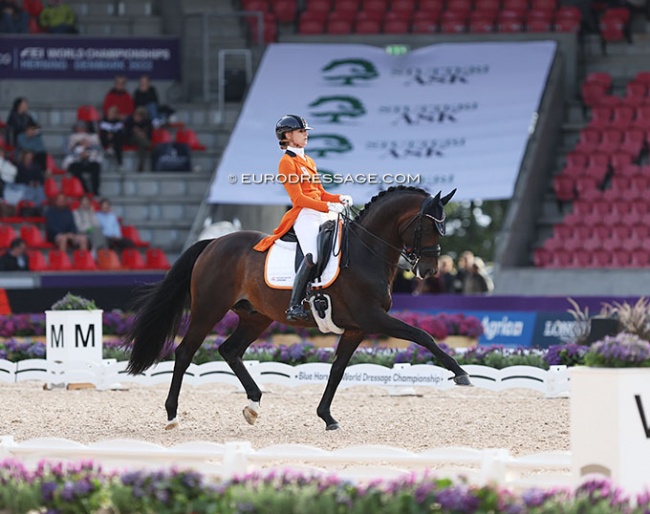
332 108
344 72
325 144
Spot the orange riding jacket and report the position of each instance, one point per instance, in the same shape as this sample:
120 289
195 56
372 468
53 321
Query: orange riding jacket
300 179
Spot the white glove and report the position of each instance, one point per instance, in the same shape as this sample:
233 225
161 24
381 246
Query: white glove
347 200
335 207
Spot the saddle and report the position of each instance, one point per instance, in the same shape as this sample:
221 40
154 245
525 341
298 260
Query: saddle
285 256
324 242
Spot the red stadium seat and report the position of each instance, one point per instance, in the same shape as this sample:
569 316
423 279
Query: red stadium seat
397 15
130 232
601 116
374 5
430 6
52 166
160 135
7 235
50 187
132 259
567 25
481 25
33 7
613 27
407 6
425 26
618 160
598 77
59 261
396 27
34 238
108 260
37 261
285 10
564 188
367 27
156 259
633 142
188 136
538 25
309 26
350 6
319 5
71 186
543 5
339 27
87 113
459 6
82 260
492 6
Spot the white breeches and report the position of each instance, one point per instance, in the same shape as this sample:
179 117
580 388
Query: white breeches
306 228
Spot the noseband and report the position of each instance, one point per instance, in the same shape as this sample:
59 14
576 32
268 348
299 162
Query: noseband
414 253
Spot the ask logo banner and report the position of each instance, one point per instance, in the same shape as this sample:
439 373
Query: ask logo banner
456 114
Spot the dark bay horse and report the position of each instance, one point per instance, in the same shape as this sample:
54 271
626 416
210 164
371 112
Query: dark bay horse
226 273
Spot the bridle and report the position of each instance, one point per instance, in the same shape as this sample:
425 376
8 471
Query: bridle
414 253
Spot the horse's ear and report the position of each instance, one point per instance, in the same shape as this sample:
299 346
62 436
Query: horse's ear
437 197
446 199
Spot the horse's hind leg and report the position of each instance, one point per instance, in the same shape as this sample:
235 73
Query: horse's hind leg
232 349
196 334
348 343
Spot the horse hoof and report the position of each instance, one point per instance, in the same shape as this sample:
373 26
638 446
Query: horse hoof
172 423
462 380
332 426
250 415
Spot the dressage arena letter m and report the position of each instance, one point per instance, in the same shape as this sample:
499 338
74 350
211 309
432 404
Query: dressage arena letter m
78 334
57 337
644 423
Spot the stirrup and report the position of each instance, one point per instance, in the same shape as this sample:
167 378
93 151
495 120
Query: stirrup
297 312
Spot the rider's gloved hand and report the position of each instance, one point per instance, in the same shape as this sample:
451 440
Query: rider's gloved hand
335 207
347 200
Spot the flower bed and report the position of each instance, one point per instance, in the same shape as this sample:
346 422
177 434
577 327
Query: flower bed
84 488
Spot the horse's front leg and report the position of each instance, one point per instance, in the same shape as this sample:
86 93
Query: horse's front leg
348 343
393 327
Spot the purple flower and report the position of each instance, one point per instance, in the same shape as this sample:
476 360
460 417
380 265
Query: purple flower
621 351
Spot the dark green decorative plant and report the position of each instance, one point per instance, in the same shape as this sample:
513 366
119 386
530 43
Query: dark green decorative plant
71 302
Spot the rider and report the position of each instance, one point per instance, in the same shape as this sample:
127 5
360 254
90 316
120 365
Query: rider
311 204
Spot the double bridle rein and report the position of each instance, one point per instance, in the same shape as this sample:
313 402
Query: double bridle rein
411 254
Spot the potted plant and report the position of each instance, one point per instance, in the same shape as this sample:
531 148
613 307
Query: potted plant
73 330
610 410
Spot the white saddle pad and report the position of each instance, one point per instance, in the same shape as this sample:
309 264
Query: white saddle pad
280 261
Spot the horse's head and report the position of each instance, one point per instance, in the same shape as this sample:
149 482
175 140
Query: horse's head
421 234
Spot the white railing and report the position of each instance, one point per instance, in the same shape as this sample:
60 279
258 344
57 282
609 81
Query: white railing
400 379
358 463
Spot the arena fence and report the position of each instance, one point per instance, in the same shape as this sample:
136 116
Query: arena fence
400 379
357 463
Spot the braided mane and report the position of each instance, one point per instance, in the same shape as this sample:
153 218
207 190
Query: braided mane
385 192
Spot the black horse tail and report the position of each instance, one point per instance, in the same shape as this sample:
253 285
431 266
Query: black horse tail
159 312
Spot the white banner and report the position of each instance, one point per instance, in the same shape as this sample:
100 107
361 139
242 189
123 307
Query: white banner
452 115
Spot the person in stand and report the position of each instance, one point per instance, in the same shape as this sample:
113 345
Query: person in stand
111 227
57 17
146 96
13 20
85 157
15 259
111 133
8 171
311 204
18 120
120 97
60 227
31 140
139 129
85 219
31 176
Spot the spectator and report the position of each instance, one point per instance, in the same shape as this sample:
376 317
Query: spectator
146 96
60 227
111 227
478 281
138 133
15 259
403 282
58 18
19 118
119 97
85 219
465 262
442 282
32 177
7 170
85 157
14 20
32 140
111 133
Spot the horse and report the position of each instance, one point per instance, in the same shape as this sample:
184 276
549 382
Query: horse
227 274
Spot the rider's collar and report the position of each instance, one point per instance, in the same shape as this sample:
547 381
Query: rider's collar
297 151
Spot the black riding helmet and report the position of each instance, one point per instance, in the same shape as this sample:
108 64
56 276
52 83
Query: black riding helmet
288 123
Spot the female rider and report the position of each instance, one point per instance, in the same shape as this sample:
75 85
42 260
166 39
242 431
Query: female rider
311 204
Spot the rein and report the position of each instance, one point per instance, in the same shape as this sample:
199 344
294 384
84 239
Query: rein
411 254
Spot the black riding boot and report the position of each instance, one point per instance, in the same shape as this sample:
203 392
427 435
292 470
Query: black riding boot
295 310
